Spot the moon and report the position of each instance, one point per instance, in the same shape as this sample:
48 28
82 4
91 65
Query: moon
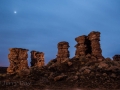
15 12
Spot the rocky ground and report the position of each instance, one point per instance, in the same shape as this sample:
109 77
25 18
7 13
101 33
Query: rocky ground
83 72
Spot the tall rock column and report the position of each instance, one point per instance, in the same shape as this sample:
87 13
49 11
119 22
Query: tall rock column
63 53
23 59
18 60
81 46
94 37
37 59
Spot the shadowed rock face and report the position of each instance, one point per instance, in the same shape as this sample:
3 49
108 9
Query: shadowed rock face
94 37
37 58
18 60
88 45
81 46
116 57
63 53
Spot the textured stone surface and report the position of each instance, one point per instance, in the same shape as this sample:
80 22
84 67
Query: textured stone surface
94 37
116 57
37 58
81 46
18 60
89 45
63 53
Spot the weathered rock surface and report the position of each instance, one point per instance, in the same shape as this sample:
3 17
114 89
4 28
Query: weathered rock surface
18 60
63 53
37 59
94 37
116 57
81 46
88 69
59 77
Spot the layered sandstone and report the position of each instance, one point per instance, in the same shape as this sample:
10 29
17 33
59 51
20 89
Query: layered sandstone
37 59
94 38
89 45
63 53
81 46
18 60
116 57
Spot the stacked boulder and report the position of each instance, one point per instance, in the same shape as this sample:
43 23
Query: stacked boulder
18 60
94 38
63 53
37 59
116 57
81 46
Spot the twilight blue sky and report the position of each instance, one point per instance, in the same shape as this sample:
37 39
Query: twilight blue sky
41 24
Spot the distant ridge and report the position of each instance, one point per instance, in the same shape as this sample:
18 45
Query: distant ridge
3 69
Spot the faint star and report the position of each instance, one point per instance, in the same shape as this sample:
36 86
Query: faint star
15 12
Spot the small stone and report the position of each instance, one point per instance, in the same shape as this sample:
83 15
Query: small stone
69 63
75 77
113 75
104 74
57 78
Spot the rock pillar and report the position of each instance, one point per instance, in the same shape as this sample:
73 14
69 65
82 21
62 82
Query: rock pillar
37 59
63 53
18 60
81 46
94 37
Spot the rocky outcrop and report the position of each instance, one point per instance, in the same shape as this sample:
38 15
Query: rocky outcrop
94 37
63 53
81 46
116 57
18 60
89 46
37 59
59 77
88 69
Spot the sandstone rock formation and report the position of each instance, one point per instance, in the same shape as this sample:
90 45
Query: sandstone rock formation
88 69
81 46
63 53
18 60
89 45
94 37
37 58
116 57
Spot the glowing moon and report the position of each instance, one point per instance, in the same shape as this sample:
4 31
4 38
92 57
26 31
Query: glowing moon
15 12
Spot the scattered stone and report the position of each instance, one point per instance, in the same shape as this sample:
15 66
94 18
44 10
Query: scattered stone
69 63
113 75
103 65
57 78
87 71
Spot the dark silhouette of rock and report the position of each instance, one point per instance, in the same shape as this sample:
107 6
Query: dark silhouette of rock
116 57
37 59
